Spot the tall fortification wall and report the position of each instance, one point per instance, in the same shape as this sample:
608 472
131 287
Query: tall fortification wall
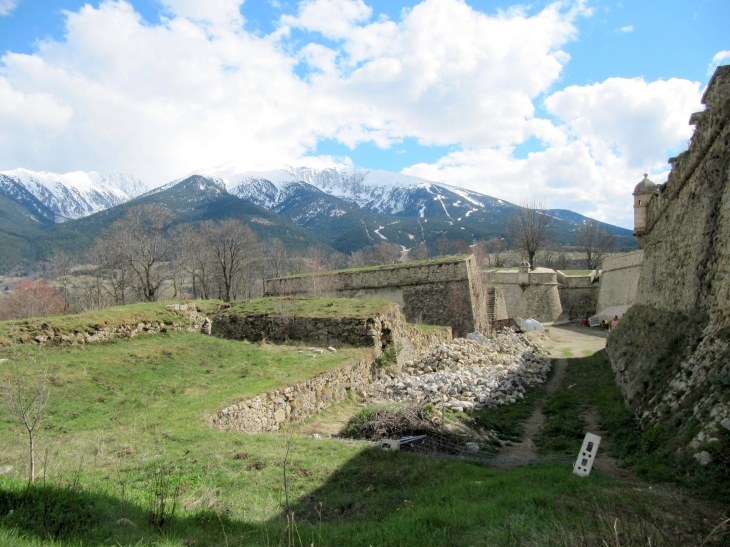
671 351
544 294
438 292
620 280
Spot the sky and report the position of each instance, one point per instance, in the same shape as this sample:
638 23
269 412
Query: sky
567 103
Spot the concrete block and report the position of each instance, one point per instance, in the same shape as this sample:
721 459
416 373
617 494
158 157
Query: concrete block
587 454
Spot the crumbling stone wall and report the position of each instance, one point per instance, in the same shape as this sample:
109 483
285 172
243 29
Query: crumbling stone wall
268 411
620 280
377 332
438 292
678 377
294 403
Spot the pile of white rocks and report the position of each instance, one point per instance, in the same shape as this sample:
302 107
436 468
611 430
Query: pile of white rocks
471 372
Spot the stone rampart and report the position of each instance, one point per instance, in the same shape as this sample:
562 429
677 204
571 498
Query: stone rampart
620 280
534 296
578 294
670 352
377 332
266 412
438 292
294 403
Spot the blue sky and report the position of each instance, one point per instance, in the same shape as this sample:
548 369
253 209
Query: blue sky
567 102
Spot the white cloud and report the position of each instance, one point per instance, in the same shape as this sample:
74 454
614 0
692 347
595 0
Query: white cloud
611 133
217 12
7 6
197 90
332 18
720 58
623 30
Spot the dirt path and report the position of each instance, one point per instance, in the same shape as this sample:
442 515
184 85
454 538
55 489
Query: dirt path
568 341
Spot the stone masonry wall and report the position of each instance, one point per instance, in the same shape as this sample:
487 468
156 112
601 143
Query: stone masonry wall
269 411
538 299
620 280
377 332
266 412
677 377
578 294
440 292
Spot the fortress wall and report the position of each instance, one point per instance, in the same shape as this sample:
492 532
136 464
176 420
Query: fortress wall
439 292
539 299
671 350
620 280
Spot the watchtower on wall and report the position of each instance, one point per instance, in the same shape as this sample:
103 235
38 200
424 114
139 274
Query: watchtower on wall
642 196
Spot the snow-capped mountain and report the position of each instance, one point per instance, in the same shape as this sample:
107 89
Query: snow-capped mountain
377 191
58 198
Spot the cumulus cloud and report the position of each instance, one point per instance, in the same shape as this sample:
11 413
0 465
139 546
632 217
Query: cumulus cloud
198 90
721 57
623 30
6 6
605 136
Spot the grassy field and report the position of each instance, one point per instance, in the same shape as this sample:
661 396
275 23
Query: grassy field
128 429
308 306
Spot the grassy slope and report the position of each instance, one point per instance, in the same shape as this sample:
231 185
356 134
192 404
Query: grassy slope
103 455
306 306
110 317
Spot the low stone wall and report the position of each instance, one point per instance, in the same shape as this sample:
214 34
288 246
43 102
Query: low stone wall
377 332
620 280
438 292
190 321
269 411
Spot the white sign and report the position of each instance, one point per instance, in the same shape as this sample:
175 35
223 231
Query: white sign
587 454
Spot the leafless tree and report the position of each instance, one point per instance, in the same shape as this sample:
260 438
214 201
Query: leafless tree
419 252
595 240
387 253
25 401
358 259
234 247
141 239
61 265
277 259
496 246
443 246
530 228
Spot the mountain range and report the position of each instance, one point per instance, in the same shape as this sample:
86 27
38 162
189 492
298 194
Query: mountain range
336 209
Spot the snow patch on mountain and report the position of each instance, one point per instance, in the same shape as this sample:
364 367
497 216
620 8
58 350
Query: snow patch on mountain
73 195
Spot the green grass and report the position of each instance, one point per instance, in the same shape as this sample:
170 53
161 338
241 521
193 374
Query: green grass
653 454
383 266
307 306
103 458
110 317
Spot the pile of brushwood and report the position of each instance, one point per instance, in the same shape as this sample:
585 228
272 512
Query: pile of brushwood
393 422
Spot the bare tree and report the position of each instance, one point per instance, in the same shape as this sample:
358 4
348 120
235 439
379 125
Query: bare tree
31 299
25 401
234 247
496 246
61 264
142 242
419 252
276 257
358 259
443 246
595 240
387 253
530 228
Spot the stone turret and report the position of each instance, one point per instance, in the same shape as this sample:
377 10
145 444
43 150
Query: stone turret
642 196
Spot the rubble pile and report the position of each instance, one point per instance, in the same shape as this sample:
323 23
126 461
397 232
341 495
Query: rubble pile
471 372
